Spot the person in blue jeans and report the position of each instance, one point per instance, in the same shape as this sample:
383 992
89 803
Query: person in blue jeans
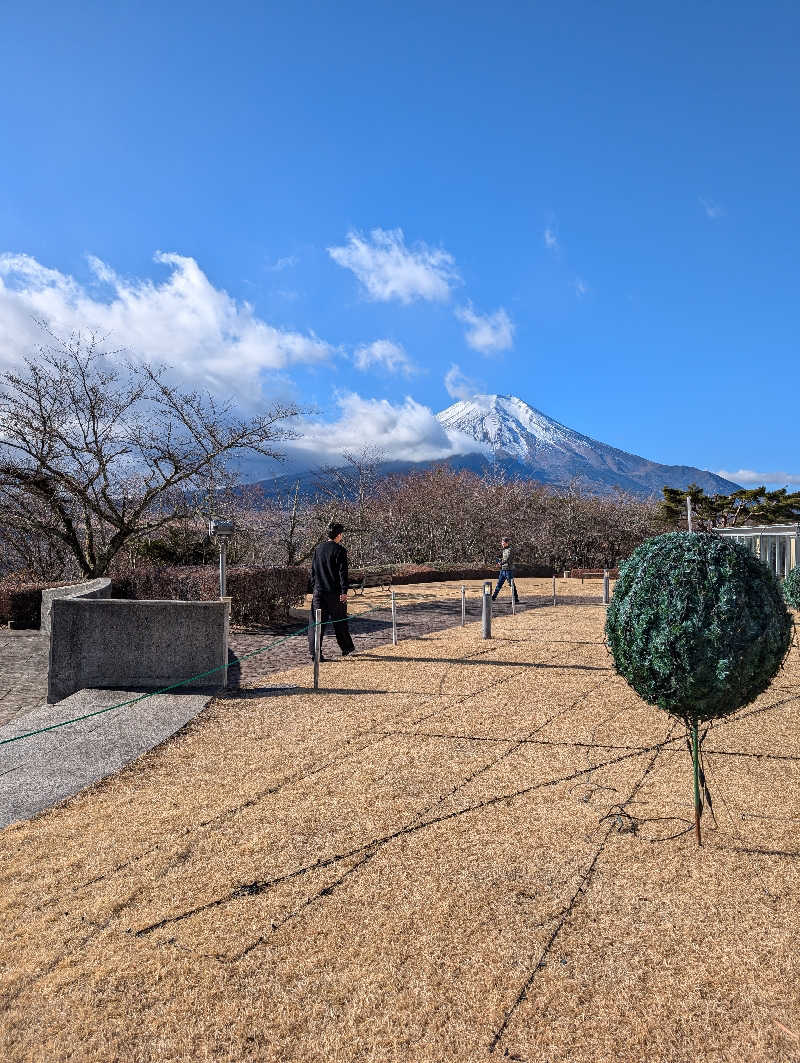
506 563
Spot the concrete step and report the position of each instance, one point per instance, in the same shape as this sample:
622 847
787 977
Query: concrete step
42 770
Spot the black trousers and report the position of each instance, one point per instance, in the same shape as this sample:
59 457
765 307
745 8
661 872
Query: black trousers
332 610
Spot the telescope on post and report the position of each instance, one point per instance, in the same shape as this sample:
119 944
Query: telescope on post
221 530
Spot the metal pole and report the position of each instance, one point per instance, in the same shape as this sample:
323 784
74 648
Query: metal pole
605 586
394 621
223 551
689 511
513 597
317 645
554 588
463 606
486 614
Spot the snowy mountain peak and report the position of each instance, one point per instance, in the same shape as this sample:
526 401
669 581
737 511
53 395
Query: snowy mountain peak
547 450
509 425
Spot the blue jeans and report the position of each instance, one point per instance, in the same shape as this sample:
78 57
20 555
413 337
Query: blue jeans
506 575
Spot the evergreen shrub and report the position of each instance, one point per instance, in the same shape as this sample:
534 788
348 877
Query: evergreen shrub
791 588
697 624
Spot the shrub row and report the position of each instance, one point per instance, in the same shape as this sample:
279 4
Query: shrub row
593 573
438 574
21 599
258 595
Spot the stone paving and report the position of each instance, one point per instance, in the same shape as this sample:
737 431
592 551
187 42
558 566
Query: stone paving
23 673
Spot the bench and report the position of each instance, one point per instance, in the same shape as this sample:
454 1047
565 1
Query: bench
379 578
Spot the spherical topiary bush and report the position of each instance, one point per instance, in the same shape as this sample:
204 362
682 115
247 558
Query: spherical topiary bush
791 588
697 624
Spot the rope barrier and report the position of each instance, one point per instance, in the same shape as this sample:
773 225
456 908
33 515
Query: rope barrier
191 679
183 682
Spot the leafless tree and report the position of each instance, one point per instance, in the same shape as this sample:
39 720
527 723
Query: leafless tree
96 453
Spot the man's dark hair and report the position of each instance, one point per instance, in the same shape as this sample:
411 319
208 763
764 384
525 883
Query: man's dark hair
335 529
505 539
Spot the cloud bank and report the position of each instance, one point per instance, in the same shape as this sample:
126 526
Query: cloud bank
388 269
747 477
403 431
208 337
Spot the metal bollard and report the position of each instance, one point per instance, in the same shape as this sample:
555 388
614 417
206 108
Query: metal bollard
605 586
394 621
486 614
554 589
513 597
317 646
463 606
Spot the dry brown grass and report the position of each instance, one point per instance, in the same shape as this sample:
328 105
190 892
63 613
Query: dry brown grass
454 853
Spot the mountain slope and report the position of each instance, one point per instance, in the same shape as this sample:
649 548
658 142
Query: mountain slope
549 451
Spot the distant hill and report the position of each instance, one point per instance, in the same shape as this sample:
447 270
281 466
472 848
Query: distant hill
524 442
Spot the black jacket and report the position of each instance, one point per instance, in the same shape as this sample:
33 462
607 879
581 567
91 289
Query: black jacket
329 569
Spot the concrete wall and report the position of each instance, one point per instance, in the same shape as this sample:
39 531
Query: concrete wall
95 588
134 645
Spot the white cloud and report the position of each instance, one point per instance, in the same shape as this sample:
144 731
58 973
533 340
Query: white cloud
551 239
460 386
390 270
486 333
713 210
283 263
754 479
406 431
384 354
580 287
208 337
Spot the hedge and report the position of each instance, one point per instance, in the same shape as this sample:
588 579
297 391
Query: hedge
21 600
404 574
258 595
697 624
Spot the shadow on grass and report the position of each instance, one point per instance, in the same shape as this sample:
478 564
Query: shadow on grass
482 661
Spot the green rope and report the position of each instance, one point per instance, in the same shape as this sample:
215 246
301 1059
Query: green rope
183 682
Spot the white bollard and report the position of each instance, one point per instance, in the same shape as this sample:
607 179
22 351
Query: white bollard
317 646
394 621
463 606
486 614
554 589
605 586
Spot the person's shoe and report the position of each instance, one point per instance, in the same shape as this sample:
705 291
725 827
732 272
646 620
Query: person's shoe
320 657
349 653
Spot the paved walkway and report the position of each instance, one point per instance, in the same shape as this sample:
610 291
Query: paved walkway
23 654
280 652
23 673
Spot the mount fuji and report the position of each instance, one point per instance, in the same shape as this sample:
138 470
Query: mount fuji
511 435
531 444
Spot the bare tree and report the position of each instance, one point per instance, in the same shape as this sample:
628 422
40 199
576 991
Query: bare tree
95 453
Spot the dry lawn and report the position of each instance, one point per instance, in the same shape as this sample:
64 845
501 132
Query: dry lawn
459 850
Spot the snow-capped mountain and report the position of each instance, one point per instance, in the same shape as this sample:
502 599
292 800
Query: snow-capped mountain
548 451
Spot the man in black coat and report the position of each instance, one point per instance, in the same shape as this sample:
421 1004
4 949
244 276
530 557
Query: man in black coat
329 590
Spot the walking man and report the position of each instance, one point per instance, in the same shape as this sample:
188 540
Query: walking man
329 590
506 569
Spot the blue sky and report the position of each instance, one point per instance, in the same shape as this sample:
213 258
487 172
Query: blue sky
590 206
